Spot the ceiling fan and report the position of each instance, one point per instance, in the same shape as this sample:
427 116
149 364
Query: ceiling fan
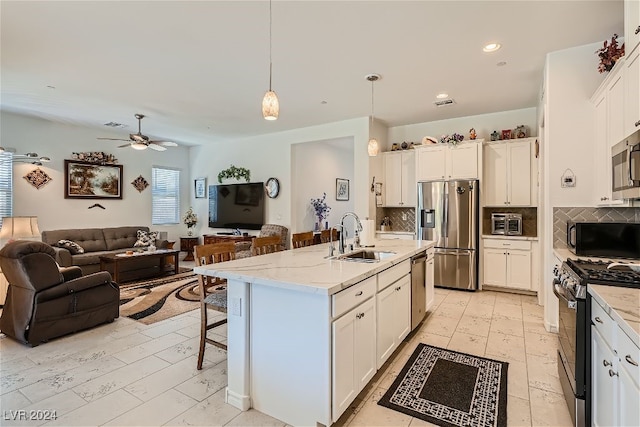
139 141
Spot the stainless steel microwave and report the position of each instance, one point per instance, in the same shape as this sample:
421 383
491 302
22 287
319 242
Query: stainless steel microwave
625 168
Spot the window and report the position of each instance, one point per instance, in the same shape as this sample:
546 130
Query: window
6 184
165 194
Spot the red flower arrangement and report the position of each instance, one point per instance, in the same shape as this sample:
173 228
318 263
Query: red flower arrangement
609 54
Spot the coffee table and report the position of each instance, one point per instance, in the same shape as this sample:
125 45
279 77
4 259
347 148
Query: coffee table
122 259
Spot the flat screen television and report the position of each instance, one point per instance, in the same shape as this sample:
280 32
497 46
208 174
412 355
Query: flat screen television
236 205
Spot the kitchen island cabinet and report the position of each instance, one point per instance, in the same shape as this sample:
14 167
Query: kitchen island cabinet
301 329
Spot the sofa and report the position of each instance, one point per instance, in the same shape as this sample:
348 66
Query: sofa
45 301
97 242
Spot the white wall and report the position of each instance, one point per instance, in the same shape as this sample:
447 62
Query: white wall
316 165
484 124
58 141
270 155
571 79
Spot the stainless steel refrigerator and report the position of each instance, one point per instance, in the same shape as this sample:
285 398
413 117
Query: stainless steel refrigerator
447 213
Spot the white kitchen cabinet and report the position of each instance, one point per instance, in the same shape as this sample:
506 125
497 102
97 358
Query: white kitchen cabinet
603 385
430 280
632 93
508 174
393 310
447 161
508 263
399 178
353 354
615 375
615 104
631 25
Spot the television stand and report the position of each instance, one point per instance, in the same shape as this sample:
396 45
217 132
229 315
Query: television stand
225 233
220 237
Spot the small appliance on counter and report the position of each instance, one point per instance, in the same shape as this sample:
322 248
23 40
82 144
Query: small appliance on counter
508 224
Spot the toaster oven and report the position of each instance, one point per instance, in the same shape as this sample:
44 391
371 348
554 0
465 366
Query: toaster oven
508 224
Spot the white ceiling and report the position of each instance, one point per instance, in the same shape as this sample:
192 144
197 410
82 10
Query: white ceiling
199 69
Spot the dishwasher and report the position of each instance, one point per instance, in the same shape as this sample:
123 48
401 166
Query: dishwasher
418 289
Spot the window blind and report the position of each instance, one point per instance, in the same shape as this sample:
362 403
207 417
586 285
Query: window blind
6 184
165 193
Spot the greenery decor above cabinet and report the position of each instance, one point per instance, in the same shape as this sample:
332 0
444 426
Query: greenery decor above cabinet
510 173
399 178
446 161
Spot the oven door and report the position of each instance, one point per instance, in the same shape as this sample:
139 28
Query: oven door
567 333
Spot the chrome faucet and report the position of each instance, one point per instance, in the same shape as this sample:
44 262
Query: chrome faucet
331 248
357 232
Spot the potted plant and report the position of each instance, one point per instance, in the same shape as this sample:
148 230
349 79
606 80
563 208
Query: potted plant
190 220
609 53
321 210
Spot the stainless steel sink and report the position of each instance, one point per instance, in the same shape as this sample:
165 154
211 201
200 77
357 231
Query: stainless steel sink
365 256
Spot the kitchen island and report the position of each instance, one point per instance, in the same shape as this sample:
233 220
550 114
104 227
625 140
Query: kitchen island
305 333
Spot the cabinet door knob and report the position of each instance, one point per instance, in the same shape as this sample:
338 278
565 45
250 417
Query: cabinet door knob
359 293
606 363
612 373
637 123
637 30
599 320
630 360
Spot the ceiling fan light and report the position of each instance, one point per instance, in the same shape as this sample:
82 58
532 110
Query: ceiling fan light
45 159
372 147
270 106
138 146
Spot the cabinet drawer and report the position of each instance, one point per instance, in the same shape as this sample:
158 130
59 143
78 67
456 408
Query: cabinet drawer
603 323
507 244
629 356
345 300
390 275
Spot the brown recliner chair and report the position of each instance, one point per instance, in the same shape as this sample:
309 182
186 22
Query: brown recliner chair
45 301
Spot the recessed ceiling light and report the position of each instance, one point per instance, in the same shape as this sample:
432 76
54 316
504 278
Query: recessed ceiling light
501 63
491 47
323 102
442 95
51 87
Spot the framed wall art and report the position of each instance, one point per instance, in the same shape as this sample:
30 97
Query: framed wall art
342 189
201 188
85 180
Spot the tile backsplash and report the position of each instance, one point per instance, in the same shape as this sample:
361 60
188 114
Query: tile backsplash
395 216
562 215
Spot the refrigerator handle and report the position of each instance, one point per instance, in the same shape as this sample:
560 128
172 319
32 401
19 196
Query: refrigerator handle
445 213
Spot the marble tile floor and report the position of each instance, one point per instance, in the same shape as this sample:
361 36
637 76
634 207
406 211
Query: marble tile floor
128 373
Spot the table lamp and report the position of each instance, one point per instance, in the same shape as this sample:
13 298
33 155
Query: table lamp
19 228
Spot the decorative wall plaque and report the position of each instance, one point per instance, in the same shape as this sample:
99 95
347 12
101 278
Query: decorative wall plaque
140 183
37 178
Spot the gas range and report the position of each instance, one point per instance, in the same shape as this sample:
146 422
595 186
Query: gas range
575 274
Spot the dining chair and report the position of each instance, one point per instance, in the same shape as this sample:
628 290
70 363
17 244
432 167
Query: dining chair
212 290
300 240
326 235
265 245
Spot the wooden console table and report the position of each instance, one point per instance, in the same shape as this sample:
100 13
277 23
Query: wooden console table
218 238
187 244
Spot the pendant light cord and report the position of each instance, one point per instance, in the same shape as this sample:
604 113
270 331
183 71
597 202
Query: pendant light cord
372 102
270 37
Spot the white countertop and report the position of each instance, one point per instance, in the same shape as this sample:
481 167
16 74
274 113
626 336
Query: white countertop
396 232
307 270
623 305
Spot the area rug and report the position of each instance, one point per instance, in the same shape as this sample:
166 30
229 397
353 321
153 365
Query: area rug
150 301
448 388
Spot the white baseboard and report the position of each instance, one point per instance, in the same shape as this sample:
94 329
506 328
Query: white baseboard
239 401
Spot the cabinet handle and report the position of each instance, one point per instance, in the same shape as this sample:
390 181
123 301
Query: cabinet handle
506 244
612 373
637 30
360 315
359 293
398 288
598 320
630 360
606 363
637 123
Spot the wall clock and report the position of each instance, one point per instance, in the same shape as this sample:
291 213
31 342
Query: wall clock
272 187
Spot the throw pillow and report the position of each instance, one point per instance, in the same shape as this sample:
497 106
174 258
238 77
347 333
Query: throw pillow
146 239
71 246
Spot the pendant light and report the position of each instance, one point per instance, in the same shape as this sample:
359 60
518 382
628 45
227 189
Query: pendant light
372 146
270 105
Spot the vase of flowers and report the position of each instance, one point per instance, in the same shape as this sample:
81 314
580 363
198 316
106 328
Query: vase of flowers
321 210
190 220
609 54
